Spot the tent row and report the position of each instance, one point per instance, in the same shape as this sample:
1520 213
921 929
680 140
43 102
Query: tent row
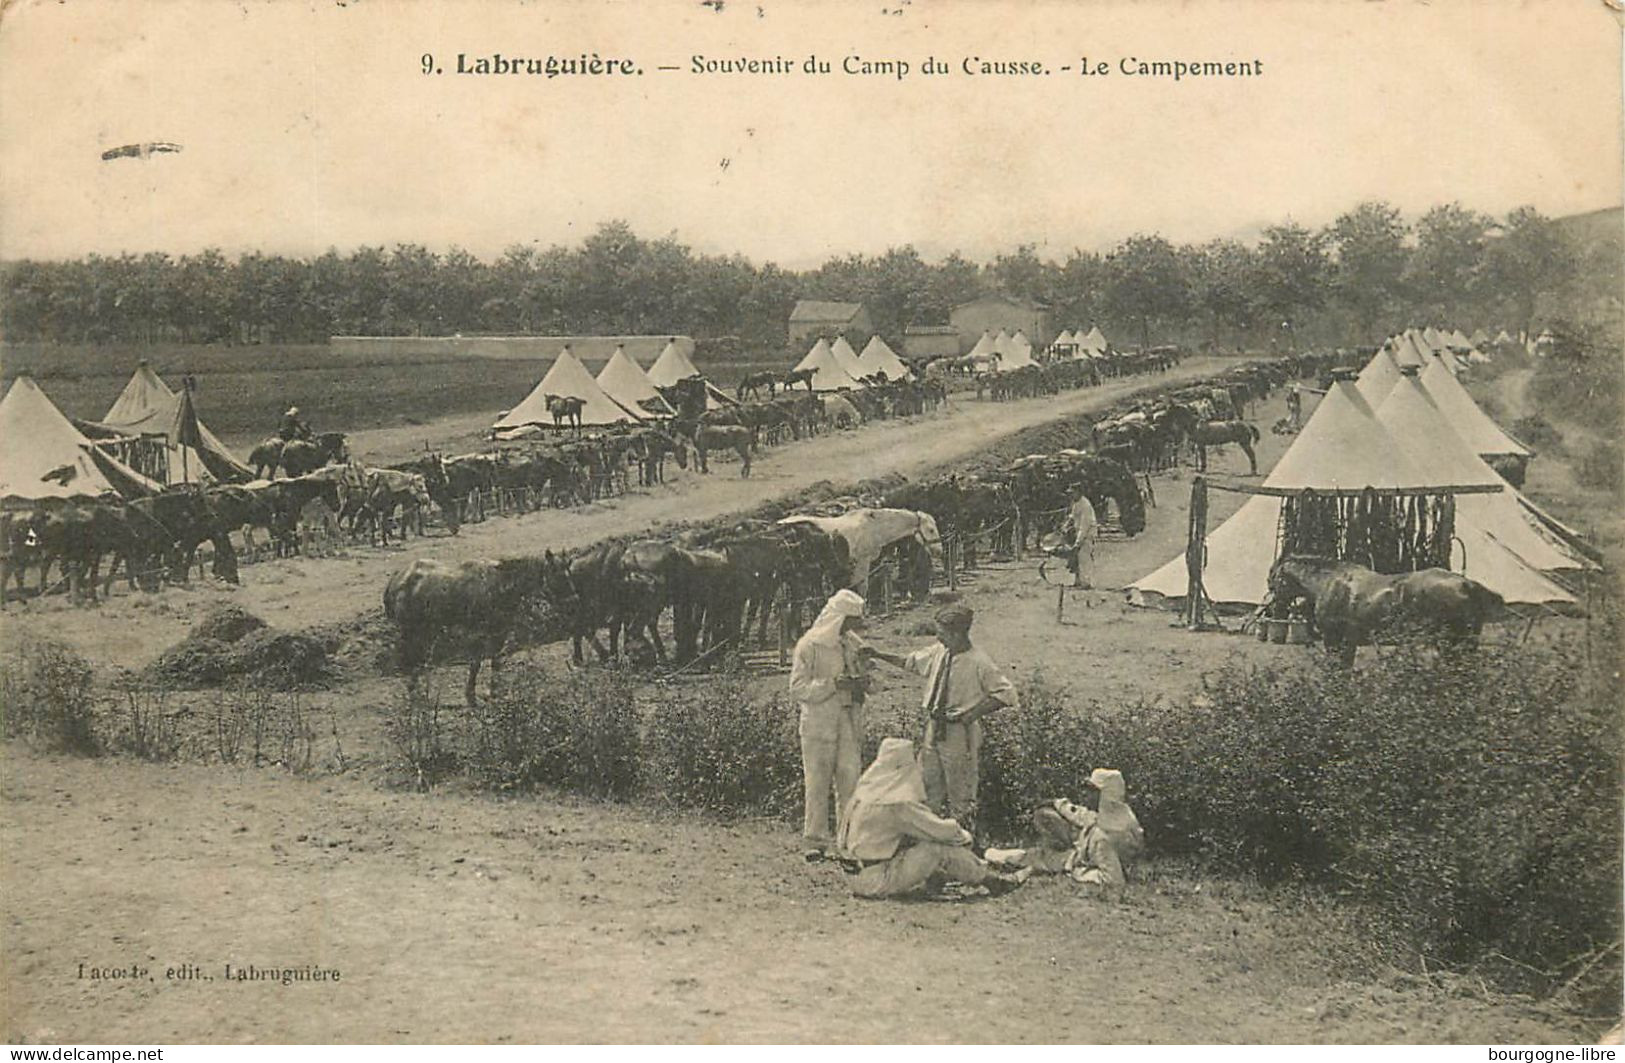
837 367
1411 428
621 394
1081 344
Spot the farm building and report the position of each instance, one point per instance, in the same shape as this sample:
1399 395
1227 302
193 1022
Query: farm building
814 318
931 341
993 313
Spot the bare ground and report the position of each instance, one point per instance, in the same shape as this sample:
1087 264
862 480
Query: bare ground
461 917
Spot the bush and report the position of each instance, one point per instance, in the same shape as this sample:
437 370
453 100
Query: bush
579 732
145 726
1600 468
1536 432
1473 796
720 747
416 729
48 698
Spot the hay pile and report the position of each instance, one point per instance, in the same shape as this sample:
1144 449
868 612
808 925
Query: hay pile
231 644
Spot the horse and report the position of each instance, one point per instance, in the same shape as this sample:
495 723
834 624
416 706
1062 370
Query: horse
477 602
798 376
566 408
868 532
705 438
1351 606
1216 433
298 456
752 383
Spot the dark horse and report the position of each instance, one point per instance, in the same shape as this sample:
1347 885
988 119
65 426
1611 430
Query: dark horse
1351 606
798 376
753 383
1215 433
298 456
566 408
475 604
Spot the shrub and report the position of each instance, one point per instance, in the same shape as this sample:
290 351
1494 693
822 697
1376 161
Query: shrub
579 732
145 726
721 747
1600 468
416 730
1535 431
48 698
1472 796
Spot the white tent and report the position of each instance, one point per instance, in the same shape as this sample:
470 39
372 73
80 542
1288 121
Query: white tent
1064 340
1433 338
984 347
1020 354
1409 349
1341 446
1502 337
878 357
1498 539
846 357
1479 338
1095 341
673 365
42 455
567 378
147 407
629 386
827 372
1483 435
1378 377
1001 343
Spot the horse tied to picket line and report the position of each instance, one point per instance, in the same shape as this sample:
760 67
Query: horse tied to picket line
704 438
1351 606
798 376
475 604
751 384
868 532
1217 433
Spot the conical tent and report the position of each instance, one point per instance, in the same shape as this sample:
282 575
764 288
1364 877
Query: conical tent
1063 340
1341 447
1483 435
1479 338
1433 338
1457 341
1416 425
1378 377
42 455
1018 353
1407 351
984 346
878 357
1001 343
827 372
1095 340
148 407
1502 337
624 382
846 357
673 365
567 378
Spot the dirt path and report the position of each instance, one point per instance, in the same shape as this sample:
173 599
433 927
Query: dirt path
133 628
473 920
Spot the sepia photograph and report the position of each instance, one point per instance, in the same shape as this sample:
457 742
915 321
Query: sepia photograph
787 522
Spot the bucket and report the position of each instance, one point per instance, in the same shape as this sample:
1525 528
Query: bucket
1297 632
1277 630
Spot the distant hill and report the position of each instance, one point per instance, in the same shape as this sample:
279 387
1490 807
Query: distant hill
1605 224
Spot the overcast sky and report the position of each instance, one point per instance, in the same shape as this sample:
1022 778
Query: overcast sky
307 125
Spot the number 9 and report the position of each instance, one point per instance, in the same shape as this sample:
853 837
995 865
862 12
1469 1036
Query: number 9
428 63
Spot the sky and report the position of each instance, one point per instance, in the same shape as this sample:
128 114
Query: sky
310 125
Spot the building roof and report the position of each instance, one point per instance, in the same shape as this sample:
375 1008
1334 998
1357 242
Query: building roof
1001 297
930 330
818 311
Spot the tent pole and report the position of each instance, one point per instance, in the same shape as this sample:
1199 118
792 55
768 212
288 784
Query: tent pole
1195 547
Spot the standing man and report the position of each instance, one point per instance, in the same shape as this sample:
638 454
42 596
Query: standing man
827 678
1083 525
962 685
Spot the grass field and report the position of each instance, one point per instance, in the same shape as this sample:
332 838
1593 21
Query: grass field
242 391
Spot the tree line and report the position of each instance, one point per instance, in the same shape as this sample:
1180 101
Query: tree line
1357 279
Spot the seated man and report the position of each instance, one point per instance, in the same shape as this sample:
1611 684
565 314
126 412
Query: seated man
292 427
895 845
1091 847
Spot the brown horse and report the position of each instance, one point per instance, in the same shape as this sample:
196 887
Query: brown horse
1216 433
798 376
705 438
1351 606
566 408
751 384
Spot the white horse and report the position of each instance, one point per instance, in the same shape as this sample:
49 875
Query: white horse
867 532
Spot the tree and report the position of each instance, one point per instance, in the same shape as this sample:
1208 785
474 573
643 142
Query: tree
1368 250
1222 273
1530 257
1289 274
1145 284
1443 273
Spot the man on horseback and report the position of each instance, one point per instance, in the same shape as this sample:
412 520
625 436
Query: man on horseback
292 427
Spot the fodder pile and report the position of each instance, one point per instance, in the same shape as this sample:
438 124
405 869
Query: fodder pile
232 644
